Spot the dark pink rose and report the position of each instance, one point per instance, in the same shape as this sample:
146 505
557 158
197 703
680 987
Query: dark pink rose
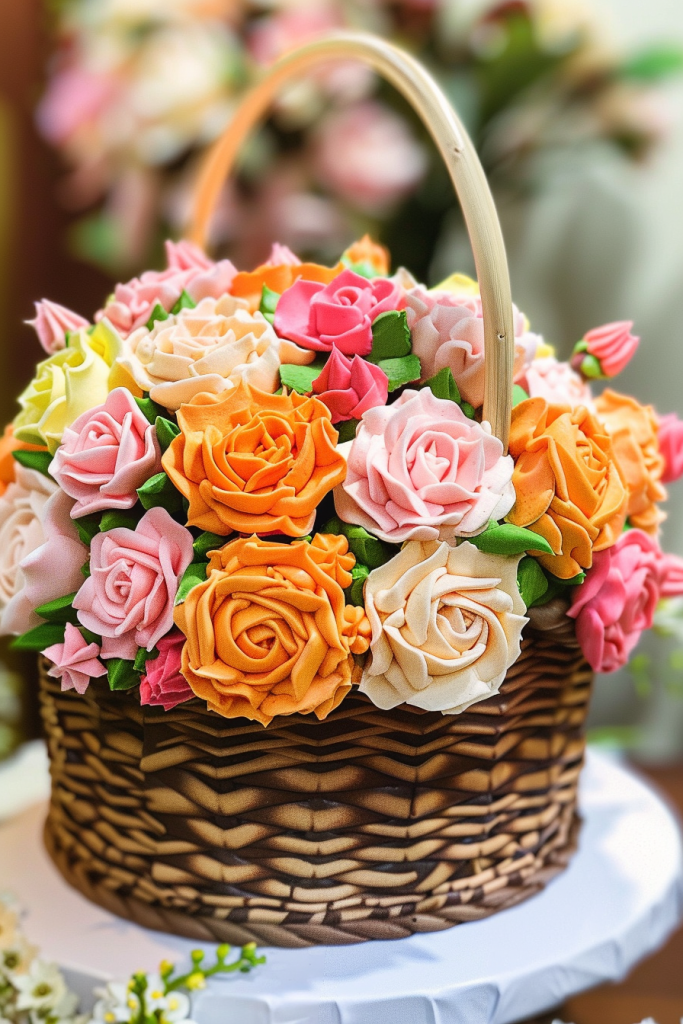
164 685
618 600
75 661
350 386
672 576
106 454
670 438
189 270
52 322
337 315
134 575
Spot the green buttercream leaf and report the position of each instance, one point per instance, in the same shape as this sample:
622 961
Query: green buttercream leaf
39 638
184 302
347 430
158 491
442 385
158 313
121 674
354 593
531 580
269 301
87 527
581 346
390 337
90 637
60 610
206 542
518 395
143 656
194 574
654 63
33 460
166 431
401 371
300 378
117 519
591 368
468 409
150 409
363 269
369 550
507 539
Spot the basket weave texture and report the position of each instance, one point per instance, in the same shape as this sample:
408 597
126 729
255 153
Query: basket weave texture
371 825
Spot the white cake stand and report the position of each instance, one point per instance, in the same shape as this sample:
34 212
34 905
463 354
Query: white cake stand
620 898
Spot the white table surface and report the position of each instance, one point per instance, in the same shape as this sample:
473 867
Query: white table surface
620 898
24 779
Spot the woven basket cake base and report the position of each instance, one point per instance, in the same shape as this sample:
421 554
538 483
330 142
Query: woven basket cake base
371 825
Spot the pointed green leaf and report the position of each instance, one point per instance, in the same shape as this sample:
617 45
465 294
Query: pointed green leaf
60 610
166 431
591 368
390 336
121 674
656 62
442 385
194 574
39 638
39 461
87 527
518 395
401 371
184 302
368 550
507 539
158 313
206 542
468 409
300 378
354 593
90 637
117 518
158 491
85 569
347 430
150 409
143 656
363 269
531 580
269 301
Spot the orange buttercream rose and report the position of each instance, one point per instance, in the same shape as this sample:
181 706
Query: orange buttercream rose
266 633
365 251
331 552
253 462
8 444
633 429
568 484
278 277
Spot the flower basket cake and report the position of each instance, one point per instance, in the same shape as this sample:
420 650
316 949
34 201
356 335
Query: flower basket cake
319 562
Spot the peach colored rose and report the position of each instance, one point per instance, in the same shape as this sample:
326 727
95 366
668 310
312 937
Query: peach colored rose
265 633
633 429
421 470
367 253
52 323
568 483
254 462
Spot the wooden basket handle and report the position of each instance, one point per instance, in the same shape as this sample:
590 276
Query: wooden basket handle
455 146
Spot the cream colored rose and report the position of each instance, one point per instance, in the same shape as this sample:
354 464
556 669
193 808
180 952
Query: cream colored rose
206 349
446 626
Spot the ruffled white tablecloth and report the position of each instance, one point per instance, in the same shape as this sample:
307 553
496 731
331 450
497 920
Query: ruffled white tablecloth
618 901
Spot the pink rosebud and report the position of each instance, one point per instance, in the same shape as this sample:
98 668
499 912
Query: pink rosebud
75 661
134 575
106 454
350 386
618 599
612 345
670 438
164 685
337 315
672 576
52 322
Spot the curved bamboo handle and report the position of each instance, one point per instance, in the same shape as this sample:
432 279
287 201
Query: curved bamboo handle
456 148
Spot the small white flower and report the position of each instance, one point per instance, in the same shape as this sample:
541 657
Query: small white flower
42 988
117 1004
155 995
177 1008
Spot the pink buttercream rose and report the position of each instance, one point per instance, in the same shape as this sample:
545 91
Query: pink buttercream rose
421 470
337 315
670 438
164 685
52 322
556 382
671 568
447 330
349 387
618 599
189 270
612 345
134 575
75 661
106 454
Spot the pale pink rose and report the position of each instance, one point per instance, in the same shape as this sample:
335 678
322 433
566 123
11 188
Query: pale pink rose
337 315
618 599
75 98
128 598
106 454
366 154
670 438
612 345
51 570
555 381
421 470
349 387
52 322
75 661
164 685
189 269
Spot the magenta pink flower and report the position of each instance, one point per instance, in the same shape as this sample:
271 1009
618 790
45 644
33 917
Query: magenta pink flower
612 345
164 685
106 454
618 599
670 438
337 315
349 387
189 269
52 322
75 661
421 470
134 575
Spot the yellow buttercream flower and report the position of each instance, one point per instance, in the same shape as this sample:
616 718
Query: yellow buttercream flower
68 383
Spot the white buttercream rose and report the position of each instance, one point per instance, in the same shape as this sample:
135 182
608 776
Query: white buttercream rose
446 626
22 508
206 349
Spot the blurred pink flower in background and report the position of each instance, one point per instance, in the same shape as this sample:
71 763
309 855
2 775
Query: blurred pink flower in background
670 438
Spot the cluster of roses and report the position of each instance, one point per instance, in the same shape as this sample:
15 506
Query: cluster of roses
264 488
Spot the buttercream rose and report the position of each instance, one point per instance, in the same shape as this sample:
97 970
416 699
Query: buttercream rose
670 438
349 387
21 532
421 470
568 484
556 382
75 661
617 601
633 429
265 633
163 684
189 270
53 322
206 349
372 257
278 273
67 384
446 626
106 454
134 575
254 462
338 315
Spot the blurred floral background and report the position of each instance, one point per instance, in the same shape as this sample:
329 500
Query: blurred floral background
576 110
